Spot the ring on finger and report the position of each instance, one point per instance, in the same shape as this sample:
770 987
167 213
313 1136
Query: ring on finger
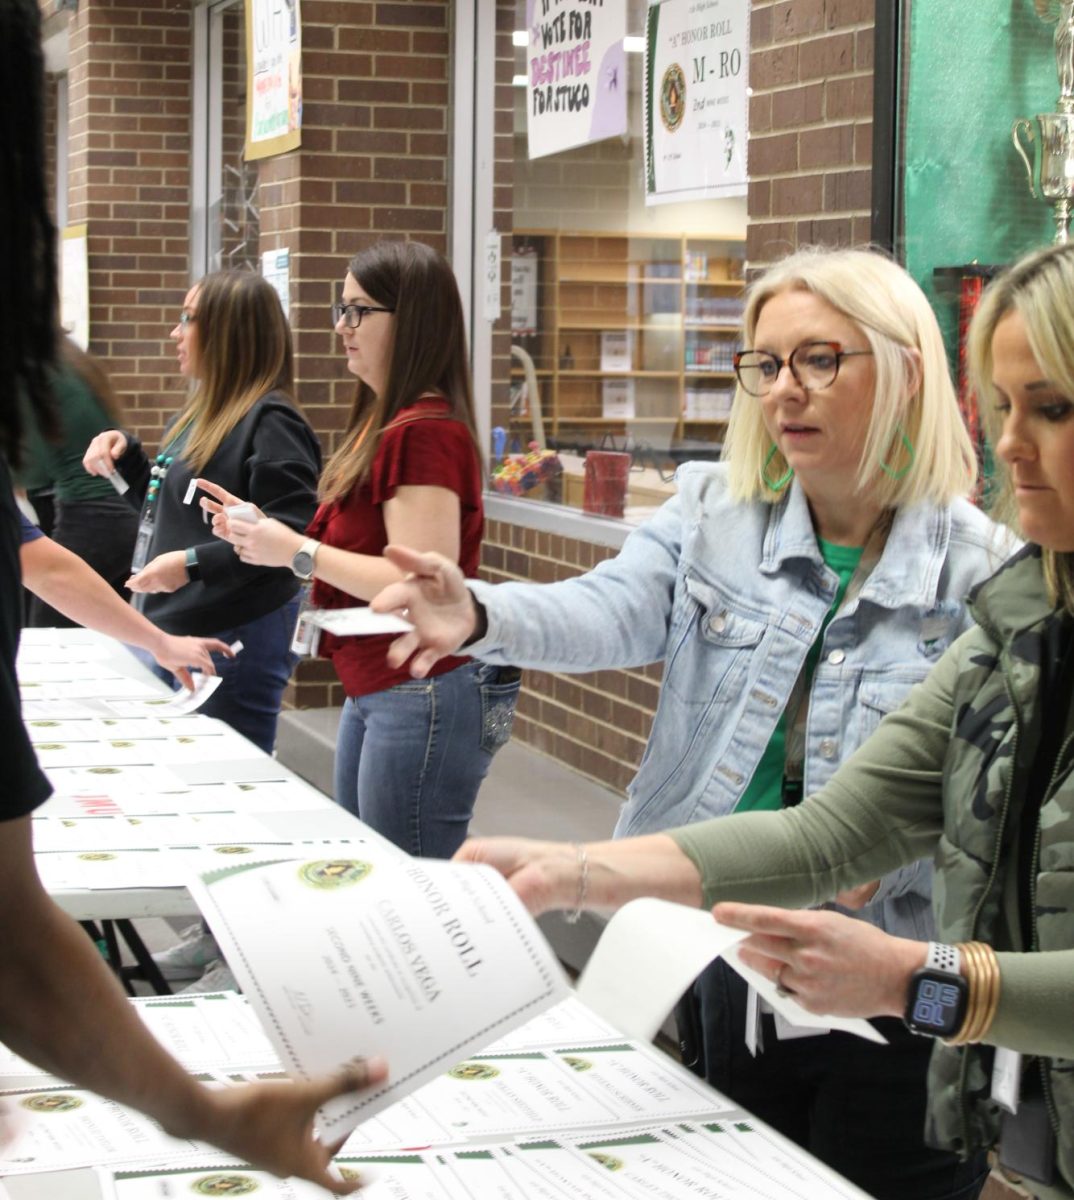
781 988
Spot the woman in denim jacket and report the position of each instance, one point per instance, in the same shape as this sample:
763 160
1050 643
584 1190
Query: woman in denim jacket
795 593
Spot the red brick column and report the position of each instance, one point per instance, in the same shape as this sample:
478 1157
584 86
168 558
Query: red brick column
129 180
811 72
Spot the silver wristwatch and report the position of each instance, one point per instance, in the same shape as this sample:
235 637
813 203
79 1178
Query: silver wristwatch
302 563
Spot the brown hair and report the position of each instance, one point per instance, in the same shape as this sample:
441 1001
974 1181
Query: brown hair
89 368
244 352
428 353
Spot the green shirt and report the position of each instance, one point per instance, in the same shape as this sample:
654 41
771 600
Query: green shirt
59 464
765 788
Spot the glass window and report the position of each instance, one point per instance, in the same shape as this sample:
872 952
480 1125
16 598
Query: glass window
624 318
226 203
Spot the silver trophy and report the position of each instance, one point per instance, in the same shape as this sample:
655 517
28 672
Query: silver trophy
1046 144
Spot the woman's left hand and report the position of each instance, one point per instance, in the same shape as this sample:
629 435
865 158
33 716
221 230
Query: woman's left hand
833 964
165 573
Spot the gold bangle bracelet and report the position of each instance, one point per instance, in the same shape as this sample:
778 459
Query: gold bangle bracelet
992 1004
982 977
971 970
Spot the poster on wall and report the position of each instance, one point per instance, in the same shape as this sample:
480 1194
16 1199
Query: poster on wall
696 72
74 284
576 85
524 267
276 268
273 77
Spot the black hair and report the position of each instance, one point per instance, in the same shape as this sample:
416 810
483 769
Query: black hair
28 301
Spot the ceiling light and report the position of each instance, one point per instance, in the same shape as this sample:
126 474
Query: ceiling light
632 45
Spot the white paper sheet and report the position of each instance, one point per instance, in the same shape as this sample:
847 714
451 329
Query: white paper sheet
650 952
215 1032
211 1179
184 701
417 960
542 1092
778 1159
568 1023
98 729
66 1127
358 622
155 831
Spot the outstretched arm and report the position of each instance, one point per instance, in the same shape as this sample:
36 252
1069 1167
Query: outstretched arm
433 596
598 875
63 1010
73 588
616 615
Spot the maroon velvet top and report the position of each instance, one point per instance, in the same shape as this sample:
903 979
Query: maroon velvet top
423 446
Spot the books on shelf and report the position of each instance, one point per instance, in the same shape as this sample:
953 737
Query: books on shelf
617 398
617 350
707 403
709 354
695 266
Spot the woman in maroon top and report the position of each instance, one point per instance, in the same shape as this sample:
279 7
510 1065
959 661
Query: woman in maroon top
411 754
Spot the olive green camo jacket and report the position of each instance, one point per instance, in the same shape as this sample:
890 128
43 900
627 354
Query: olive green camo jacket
936 779
998 711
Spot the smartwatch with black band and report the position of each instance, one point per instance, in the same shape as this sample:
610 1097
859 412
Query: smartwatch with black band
193 571
936 1001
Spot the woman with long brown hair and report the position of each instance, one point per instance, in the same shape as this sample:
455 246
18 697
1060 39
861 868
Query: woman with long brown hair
411 754
240 425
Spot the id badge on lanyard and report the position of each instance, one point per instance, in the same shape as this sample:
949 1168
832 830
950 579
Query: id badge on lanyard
142 543
157 473
307 635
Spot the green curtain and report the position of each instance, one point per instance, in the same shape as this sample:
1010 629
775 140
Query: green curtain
974 66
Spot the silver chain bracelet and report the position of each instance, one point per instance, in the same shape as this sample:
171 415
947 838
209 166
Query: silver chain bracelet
573 917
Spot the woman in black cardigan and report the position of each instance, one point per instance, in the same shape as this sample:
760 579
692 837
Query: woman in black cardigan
240 426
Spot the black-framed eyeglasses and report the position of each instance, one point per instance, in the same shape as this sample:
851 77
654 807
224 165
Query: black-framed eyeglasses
352 314
185 318
815 365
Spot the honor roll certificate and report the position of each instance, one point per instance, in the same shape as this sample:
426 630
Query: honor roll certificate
416 960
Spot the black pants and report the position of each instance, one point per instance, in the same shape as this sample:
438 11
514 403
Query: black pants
855 1105
102 533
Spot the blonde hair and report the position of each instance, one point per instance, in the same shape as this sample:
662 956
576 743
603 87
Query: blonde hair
913 391
1040 288
244 352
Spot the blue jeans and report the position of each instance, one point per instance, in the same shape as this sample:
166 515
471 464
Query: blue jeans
410 759
252 683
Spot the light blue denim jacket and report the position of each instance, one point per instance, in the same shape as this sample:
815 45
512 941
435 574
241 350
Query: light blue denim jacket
731 596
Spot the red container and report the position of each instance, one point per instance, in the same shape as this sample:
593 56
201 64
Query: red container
606 474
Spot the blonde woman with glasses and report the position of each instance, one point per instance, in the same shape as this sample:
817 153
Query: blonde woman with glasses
976 769
795 592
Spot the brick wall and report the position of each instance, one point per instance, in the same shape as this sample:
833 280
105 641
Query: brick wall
811 71
50 142
598 722
129 179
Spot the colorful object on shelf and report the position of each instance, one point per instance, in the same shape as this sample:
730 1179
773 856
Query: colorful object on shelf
520 473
